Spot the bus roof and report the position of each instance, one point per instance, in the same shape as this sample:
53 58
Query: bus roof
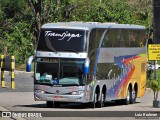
90 25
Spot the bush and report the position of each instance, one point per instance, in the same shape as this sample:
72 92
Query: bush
154 85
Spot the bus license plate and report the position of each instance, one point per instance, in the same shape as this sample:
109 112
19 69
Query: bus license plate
57 97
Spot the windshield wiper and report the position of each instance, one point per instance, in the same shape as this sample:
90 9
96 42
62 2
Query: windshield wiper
71 50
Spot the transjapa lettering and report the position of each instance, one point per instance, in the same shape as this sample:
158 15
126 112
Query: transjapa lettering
63 35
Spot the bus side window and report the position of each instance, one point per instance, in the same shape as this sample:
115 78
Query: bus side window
105 40
122 40
115 37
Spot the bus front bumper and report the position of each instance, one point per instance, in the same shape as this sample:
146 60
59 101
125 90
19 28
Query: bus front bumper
82 98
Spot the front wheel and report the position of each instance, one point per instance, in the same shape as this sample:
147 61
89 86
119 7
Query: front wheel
93 104
101 102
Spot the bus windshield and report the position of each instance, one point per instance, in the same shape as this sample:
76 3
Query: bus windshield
59 72
62 40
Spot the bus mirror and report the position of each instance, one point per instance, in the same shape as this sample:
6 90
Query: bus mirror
29 64
86 66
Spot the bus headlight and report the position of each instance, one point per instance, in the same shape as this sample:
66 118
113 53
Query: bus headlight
39 91
77 92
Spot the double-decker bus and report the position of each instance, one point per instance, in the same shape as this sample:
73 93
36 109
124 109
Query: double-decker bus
90 62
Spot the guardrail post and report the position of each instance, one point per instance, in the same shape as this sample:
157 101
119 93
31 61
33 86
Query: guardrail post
12 72
3 84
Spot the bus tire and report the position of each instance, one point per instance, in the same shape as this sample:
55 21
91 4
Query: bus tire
49 104
57 104
133 96
93 104
101 102
128 97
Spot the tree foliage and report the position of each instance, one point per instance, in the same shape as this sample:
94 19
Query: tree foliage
16 29
18 41
21 20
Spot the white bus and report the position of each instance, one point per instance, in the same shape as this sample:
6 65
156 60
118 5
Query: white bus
90 63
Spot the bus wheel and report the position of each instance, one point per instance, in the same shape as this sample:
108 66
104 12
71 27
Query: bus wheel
49 104
133 97
57 104
101 102
128 97
93 104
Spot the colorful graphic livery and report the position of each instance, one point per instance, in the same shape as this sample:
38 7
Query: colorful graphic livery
90 63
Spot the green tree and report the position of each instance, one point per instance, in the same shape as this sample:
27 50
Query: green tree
21 20
19 42
16 29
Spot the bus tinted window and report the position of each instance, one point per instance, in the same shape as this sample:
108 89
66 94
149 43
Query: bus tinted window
95 37
107 71
62 40
124 38
94 40
112 38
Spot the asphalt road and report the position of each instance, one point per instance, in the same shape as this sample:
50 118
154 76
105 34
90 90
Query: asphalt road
21 100
23 82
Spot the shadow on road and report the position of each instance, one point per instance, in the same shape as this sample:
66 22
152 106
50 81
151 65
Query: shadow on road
72 105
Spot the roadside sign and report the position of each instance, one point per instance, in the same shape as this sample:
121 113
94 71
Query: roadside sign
154 52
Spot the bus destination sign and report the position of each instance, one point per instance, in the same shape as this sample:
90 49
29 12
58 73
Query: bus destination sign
154 52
